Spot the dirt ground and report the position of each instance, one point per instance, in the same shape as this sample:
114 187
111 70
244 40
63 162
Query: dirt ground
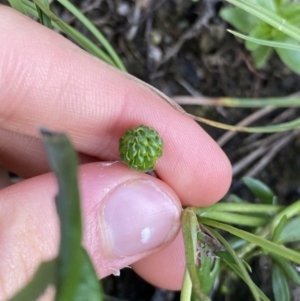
182 48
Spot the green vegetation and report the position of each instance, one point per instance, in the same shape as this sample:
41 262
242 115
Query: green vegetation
263 37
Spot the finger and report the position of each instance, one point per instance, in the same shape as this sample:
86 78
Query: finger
126 216
168 263
48 80
4 178
25 156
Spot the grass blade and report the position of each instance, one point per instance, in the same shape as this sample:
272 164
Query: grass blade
43 277
241 208
17 5
44 19
89 287
260 190
238 219
72 33
189 230
76 278
272 44
269 17
71 8
281 127
237 271
63 161
280 285
266 245
288 269
239 263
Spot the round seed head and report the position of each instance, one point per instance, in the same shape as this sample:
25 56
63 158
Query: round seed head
140 147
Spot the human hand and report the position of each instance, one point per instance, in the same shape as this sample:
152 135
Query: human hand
130 218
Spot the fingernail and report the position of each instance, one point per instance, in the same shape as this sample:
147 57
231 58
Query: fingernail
139 217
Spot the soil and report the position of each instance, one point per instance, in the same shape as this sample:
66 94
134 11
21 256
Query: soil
182 48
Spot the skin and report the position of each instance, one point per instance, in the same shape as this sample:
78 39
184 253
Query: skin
47 80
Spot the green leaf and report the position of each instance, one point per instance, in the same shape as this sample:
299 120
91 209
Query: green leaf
291 232
93 29
17 5
238 262
186 289
260 190
238 18
234 218
72 33
290 58
75 276
289 212
280 286
89 287
189 231
269 17
273 44
268 4
291 13
261 55
259 292
278 229
262 31
43 277
44 19
236 199
280 3
63 161
223 207
208 272
288 269
266 245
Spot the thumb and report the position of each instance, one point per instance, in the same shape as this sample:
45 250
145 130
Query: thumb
126 216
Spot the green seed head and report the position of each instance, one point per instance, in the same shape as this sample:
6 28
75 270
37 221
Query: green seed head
140 147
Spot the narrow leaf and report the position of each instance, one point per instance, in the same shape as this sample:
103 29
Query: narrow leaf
288 269
189 230
290 58
282 127
238 262
238 18
280 285
289 212
44 19
17 5
43 277
257 240
269 17
259 189
237 271
89 287
234 218
261 55
91 27
241 208
262 31
278 229
264 42
71 32
63 161
291 232
236 199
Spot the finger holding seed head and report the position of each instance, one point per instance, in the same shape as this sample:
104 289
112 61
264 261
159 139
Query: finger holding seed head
140 147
